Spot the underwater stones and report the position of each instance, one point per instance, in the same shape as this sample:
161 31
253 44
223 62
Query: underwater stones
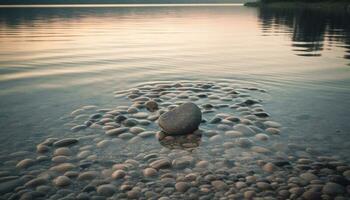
106 190
183 162
89 175
36 182
272 124
149 172
151 105
219 185
130 122
118 174
244 142
161 163
308 176
258 149
333 189
65 142
261 137
246 130
182 186
273 131
62 181
261 114
64 167
78 128
63 151
147 134
269 167
116 131
202 164
23 164
41 148
233 134
183 119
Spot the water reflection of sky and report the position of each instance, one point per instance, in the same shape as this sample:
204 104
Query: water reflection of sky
54 60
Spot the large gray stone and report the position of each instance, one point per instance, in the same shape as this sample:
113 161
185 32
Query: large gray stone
183 119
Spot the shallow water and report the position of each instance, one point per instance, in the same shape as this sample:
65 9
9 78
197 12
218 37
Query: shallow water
56 60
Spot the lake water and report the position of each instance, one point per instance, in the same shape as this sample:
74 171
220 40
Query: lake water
55 60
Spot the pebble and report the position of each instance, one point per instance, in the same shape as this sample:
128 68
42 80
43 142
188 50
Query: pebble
183 162
269 167
86 176
63 167
63 151
116 131
312 195
118 174
36 182
78 128
41 148
62 181
263 185
136 130
182 186
262 137
333 189
149 172
60 159
219 185
273 131
151 105
308 176
140 115
233 134
244 142
161 163
202 164
272 124
247 131
147 134
23 164
106 190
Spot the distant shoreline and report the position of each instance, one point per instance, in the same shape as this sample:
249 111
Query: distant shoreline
114 5
326 5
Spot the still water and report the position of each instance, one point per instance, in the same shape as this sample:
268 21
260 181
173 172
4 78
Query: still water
55 60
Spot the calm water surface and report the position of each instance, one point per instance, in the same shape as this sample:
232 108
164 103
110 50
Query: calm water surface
55 60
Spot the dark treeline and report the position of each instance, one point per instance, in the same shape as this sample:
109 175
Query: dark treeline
14 2
311 29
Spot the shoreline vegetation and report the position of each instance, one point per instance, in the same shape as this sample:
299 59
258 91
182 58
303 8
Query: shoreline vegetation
309 4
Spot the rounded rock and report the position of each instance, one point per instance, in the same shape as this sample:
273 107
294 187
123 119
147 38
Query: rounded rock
183 119
62 181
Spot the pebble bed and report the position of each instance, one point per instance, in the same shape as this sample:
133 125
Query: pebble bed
121 153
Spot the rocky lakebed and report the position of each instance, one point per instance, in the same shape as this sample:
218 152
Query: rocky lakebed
184 140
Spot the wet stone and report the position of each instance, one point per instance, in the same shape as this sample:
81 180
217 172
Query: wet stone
65 142
161 163
183 119
116 131
62 181
333 189
151 106
182 186
25 163
219 185
106 190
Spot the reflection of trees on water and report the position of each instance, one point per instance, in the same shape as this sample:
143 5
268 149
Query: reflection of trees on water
312 31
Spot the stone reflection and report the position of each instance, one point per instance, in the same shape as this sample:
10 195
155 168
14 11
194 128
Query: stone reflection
311 31
186 142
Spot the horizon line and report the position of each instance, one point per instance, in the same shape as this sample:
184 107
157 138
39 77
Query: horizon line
121 5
